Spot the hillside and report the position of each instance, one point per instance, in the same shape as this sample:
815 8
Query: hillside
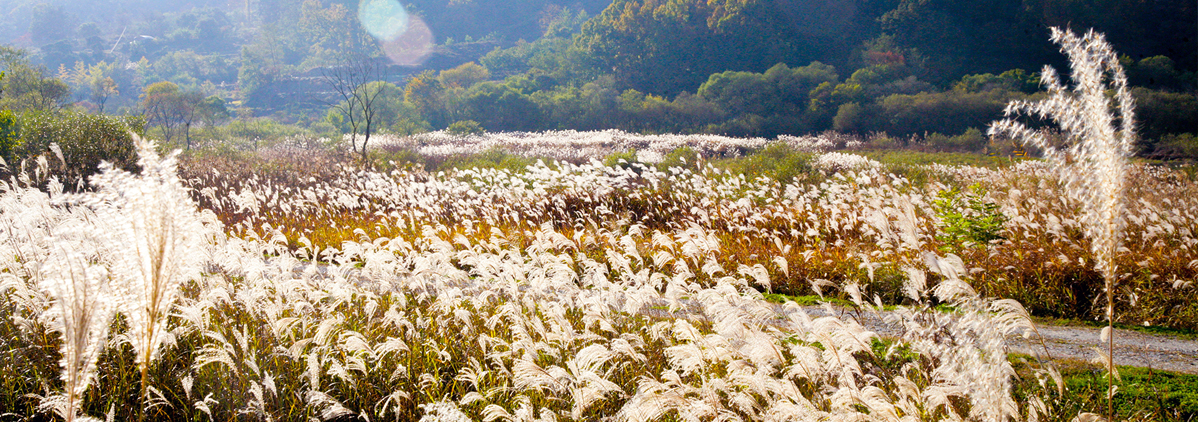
737 67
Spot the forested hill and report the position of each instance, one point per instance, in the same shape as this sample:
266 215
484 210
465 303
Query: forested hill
33 23
941 40
744 67
944 38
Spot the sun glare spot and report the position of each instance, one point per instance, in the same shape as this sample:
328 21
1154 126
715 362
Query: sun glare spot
413 46
384 19
406 39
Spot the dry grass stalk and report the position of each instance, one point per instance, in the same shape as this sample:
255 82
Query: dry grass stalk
1095 163
154 241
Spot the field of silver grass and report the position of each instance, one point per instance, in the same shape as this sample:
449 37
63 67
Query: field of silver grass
575 146
456 324
560 292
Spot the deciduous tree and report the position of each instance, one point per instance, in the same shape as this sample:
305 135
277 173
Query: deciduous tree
170 108
359 99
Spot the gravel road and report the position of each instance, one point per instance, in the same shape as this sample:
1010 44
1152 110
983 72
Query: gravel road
1132 348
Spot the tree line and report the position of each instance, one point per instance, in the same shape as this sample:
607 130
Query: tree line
630 69
739 67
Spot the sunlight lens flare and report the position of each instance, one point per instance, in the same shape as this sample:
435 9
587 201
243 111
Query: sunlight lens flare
411 48
405 38
384 19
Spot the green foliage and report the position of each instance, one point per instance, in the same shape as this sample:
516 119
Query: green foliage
780 89
848 118
593 106
1183 145
260 132
731 67
959 38
390 111
973 140
777 161
1011 80
259 69
806 300
944 112
501 107
423 92
49 24
829 96
624 159
667 47
901 157
1159 72
495 158
970 220
465 127
1144 393
173 110
213 109
463 76
28 87
766 104
84 139
325 129
685 157
187 64
647 113
1160 112
10 136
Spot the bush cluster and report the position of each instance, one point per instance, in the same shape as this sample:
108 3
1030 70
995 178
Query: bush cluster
83 140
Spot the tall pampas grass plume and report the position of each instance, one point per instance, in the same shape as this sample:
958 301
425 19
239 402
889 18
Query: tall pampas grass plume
1094 161
81 311
125 247
155 238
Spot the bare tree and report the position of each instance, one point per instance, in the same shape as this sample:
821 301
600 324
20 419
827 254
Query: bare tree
102 90
189 106
351 82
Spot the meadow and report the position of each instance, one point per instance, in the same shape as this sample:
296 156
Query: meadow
486 278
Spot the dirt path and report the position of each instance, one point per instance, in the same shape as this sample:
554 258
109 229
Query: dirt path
1132 348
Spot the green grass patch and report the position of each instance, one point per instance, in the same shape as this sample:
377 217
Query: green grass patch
1143 394
494 158
892 157
807 300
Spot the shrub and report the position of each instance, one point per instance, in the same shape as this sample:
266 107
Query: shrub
85 141
848 118
621 159
1161 112
778 161
685 157
880 140
1183 145
325 129
972 140
259 130
969 219
465 127
494 158
10 137
946 112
